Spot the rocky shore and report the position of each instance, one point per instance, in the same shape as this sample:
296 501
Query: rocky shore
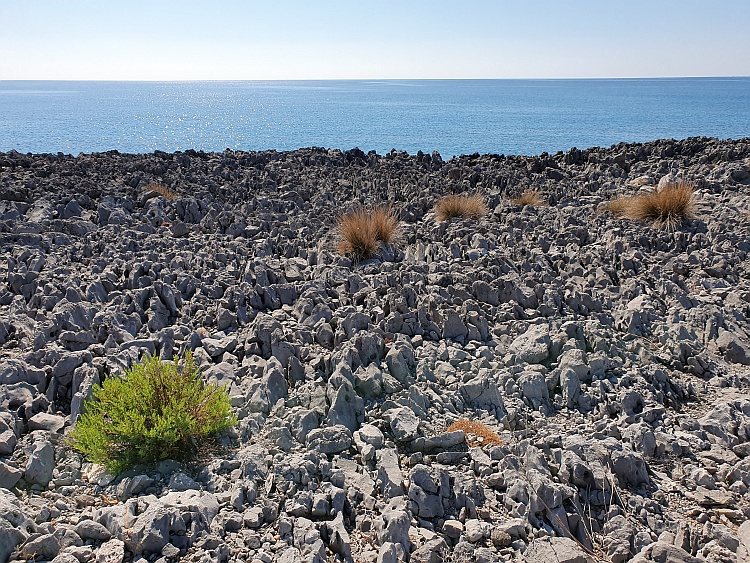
612 358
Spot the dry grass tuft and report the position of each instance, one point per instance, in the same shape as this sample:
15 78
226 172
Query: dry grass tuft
464 206
529 197
363 230
162 190
617 206
476 433
385 224
668 206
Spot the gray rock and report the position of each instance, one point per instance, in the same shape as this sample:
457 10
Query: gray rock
390 480
215 347
9 476
338 538
482 392
303 421
330 440
369 381
394 524
743 534
390 552
253 517
181 482
443 441
735 350
92 530
403 423
131 486
17 371
179 229
65 558
618 540
426 489
453 327
706 497
476 530
560 550
273 387
400 361
66 365
112 551
152 529
662 551
10 538
570 385
534 388
48 422
46 546
533 346
347 408
299 505
430 552
41 464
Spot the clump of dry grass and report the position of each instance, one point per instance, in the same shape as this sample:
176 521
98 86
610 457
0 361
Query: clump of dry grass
617 206
364 229
476 433
464 206
162 190
671 204
529 197
384 224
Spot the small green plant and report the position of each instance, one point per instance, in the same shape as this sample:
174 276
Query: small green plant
158 410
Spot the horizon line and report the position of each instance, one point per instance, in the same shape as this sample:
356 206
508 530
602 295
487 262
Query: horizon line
365 79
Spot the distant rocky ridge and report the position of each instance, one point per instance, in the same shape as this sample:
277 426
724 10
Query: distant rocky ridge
612 358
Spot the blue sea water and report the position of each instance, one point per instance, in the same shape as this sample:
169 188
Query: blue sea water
450 116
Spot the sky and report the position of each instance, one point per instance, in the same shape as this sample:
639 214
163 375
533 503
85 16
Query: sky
353 39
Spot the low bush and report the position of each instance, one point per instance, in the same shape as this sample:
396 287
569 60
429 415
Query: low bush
476 433
464 206
158 410
529 197
363 230
671 204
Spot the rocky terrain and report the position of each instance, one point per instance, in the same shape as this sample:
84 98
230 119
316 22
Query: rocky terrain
612 358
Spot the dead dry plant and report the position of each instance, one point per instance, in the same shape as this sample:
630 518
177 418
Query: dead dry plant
617 206
385 224
363 230
670 205
464 206
162 190
529 197
476 433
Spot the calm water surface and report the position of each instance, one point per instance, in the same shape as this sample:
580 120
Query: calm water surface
450 116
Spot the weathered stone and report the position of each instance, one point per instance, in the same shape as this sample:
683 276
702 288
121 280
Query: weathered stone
561 550
330 440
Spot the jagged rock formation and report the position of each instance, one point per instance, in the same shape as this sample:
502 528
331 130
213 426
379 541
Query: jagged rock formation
612 358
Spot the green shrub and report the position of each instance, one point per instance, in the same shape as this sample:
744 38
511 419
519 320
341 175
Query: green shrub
158 410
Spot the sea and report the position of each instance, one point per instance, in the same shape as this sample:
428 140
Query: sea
452 117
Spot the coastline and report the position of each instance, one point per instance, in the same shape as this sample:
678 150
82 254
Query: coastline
612 358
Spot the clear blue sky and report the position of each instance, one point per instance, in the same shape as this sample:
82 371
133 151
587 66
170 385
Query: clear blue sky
305 39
